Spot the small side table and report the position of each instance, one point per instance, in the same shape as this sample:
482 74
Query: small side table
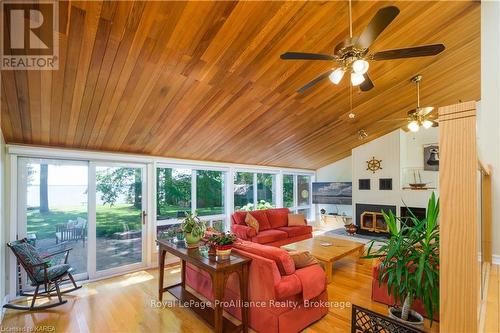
218 270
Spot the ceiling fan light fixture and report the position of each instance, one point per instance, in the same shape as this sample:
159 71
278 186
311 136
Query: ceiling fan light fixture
427 124
360 66
337 75
357 79
413 126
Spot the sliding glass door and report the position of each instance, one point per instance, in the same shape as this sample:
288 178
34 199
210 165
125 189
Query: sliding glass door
97 210
53 208
120 217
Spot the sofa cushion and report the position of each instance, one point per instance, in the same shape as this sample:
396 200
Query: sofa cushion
289 285
270 235
261 216
313 280
252 222
297 231
283 261
296 220
278 217
302 259
239 217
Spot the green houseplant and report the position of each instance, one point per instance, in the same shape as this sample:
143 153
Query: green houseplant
410 263
223 244
193 229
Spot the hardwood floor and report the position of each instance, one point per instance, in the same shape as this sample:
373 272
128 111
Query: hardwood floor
123 304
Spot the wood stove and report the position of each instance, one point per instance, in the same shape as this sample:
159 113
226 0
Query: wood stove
370 220
373 222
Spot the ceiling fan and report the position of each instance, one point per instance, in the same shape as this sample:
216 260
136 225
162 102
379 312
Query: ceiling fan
420 116
352 54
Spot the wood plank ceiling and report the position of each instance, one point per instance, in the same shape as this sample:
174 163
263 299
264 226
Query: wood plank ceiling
203 80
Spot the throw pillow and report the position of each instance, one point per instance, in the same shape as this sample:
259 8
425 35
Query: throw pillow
252 222
302 259
296 220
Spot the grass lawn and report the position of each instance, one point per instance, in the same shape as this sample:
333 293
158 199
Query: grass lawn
117 218
110 219
170 211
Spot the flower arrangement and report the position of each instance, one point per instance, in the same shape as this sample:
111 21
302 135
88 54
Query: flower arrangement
223 243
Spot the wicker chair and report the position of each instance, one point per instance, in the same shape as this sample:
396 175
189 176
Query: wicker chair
41 273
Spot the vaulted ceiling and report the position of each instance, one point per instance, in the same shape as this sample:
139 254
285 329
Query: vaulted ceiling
204 80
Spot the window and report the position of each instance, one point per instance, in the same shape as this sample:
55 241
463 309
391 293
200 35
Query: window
288 181
173 193
254 190
297 193
266 188
303 190
243 190
209 192
181 190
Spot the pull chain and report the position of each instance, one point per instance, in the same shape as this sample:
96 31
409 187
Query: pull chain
418 94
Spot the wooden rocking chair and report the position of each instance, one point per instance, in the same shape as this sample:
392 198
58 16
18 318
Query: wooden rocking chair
40 272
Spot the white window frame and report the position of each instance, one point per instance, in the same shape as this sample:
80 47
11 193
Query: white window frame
278 201
152 162
295 208
193 169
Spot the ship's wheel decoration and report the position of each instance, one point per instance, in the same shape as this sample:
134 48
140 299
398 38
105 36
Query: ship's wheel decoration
374 164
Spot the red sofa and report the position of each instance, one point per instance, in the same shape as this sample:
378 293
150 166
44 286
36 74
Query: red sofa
273 227
380 294
273 280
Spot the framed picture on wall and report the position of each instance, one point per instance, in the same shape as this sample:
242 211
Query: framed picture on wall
431 157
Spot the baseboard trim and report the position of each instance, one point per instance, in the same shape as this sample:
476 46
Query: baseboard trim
495 259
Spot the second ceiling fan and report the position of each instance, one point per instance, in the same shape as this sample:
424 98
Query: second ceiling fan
352 54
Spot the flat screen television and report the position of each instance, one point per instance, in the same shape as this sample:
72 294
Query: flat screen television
336 193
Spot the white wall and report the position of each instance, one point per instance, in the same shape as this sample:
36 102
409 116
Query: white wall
488 119
340 171
397 150
3 221
412 156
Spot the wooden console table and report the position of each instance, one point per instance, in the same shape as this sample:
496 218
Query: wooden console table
219 272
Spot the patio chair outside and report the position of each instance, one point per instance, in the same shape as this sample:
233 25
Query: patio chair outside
71 231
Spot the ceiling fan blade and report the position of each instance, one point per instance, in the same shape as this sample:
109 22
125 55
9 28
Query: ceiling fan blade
391 120
410 52
424 111
367 84
313 82
435 123
379 22
306 56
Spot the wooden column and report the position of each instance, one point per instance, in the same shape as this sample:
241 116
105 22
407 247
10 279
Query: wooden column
459 283
486 213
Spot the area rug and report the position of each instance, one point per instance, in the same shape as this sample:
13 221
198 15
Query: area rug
342 232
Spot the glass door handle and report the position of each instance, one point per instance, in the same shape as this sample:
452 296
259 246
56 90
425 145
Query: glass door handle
144 214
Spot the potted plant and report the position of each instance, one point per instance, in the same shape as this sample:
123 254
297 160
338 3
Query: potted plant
410 263
210 238
193 229
179 234
223 244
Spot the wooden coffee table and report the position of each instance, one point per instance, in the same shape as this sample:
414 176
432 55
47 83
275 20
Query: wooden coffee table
327 255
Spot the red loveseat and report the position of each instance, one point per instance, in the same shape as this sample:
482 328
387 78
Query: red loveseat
282 298
273 227
380 294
